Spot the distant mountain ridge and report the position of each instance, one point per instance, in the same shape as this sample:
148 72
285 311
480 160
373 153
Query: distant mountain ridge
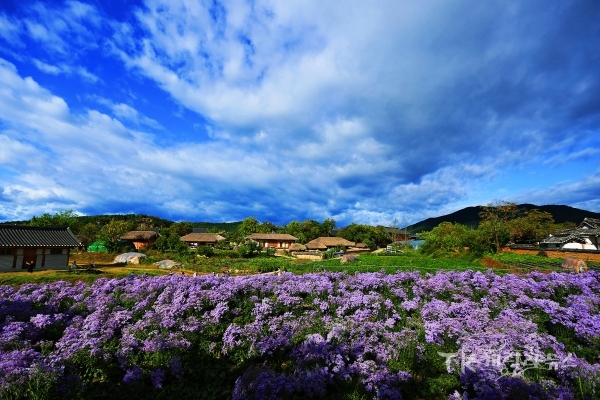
469 216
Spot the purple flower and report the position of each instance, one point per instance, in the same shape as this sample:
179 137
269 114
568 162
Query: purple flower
157 377
133 375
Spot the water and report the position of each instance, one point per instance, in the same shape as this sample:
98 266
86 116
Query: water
416 243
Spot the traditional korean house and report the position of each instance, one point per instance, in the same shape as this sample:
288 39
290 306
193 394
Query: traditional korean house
325 243
35 247
140 239
195 240
276 240
584 237
297 247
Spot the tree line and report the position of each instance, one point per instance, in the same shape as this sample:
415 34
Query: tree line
501 223
109 228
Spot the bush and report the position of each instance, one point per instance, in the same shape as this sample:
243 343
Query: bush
205 251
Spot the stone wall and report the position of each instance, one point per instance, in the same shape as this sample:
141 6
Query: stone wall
308 256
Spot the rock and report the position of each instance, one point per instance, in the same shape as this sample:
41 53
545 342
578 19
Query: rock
346 258
574 265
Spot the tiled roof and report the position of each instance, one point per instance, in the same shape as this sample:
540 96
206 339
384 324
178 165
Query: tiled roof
37 236
563 239
592 223
139 235
271 236
202 238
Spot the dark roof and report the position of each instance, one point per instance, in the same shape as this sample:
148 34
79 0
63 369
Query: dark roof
139 235
37 236
563 239
591 223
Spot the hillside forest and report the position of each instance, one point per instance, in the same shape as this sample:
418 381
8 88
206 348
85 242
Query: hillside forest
500 223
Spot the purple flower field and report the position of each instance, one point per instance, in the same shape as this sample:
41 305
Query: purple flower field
452 335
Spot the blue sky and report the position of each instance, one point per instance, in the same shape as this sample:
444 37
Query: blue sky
288 110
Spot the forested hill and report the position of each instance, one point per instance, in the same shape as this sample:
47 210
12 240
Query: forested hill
470 216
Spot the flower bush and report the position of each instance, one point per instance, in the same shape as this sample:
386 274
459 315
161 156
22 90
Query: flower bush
467 335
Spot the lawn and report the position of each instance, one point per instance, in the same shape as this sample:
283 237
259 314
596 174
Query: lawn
369 262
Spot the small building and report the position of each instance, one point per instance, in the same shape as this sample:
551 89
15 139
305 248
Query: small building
39 247
584 237
276 240
140 239
195 240
297 247
325 243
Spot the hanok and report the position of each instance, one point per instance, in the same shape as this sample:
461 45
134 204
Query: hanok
41 247
195 240
140 239
276 240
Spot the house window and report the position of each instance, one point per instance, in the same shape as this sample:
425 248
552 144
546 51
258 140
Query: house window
5 252
56 251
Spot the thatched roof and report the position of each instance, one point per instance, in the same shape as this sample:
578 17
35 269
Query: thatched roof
297 247
202 238
271 236
360 245
322 243
140 235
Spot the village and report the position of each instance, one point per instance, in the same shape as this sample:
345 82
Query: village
35 248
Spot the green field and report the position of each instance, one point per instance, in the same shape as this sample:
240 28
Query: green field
370 262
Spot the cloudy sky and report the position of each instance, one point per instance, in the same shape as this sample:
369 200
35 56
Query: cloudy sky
361 111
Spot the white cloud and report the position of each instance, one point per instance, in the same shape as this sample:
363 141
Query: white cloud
9 29
129 113
47 68
65 69
359 111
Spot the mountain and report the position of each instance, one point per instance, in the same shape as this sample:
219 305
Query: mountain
470 216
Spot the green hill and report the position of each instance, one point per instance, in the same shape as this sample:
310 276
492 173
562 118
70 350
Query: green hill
470 216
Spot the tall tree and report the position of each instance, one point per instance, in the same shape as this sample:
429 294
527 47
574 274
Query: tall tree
535 224
248 226
111 232
329 227
494 220
181 228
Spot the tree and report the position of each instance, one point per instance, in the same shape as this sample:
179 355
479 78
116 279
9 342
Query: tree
181 228
294 228
112 232
370 235
88 233
535 224
447 237
309 229
494 220
61 218
329 227
248 226
170 238
268 227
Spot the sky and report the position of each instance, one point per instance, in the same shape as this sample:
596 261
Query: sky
372 112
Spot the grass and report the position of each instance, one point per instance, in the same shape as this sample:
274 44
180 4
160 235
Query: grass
369 262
